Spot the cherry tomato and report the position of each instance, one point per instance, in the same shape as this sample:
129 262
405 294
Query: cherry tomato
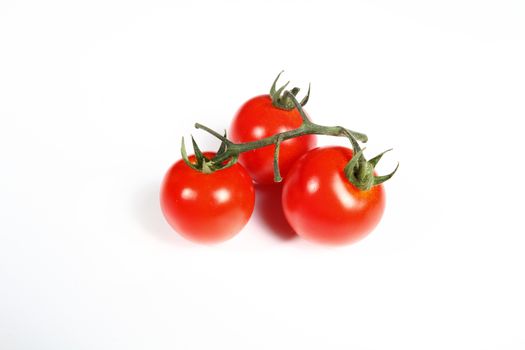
259 118
322 205
207 208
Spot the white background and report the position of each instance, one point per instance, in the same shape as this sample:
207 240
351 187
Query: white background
95 96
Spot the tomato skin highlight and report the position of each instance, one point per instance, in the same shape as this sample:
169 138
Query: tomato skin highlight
322 206
207 208
258 118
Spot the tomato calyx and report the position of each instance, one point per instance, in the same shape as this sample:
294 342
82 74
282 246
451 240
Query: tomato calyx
281 97
360 172
204 164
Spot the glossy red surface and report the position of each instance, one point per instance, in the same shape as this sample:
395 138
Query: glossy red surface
207 208
323 206
258 119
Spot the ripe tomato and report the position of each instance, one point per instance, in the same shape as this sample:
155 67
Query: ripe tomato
322 205
207 208
259 118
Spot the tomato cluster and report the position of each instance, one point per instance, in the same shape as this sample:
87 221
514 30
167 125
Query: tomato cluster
331 195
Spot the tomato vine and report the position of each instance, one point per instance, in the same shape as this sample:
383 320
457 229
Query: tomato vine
359 171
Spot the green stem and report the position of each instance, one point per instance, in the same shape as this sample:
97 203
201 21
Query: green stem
213 132
305 129
277 173
358 171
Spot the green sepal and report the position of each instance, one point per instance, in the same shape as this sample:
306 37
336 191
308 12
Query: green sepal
283 101
204 164
305 99
360 172
366 175
380 179
272 89
279 92
230 163
185 156
350 168
377 158
289 95
222 148
198 154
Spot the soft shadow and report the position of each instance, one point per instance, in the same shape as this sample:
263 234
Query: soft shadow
270 211
149 216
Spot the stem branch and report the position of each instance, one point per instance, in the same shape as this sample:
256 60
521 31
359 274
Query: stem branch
213 132
305 129
276 172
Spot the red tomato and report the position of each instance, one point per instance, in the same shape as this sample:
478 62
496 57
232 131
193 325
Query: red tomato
207 208
322 205
259 118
